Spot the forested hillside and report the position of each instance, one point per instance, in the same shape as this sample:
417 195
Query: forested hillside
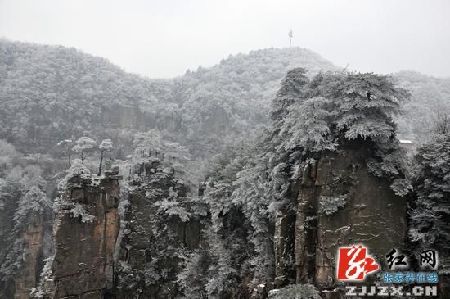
233 98
52 93
57 104
430 102
49 94
232 168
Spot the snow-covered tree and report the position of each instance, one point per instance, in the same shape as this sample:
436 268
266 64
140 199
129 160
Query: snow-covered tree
23 197
7 154
194 277
66 144
147 143
84 145
309 126
335 107
430 215
293 87
34 203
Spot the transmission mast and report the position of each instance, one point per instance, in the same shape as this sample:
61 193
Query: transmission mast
291 35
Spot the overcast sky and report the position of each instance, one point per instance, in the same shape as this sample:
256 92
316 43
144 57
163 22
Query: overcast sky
161 39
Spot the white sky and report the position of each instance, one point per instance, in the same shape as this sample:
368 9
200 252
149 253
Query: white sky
164 38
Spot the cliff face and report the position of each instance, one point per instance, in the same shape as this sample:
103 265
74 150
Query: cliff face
25 271
371 207
339 203
22 250
33 245
162 227
86 230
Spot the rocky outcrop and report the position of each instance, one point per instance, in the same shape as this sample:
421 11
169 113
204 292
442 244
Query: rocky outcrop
33 245
22 250
25 271
162 227
339 203
99 255
86 230
284 245
163 245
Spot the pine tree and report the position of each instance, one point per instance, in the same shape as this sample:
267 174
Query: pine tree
430 216
83 146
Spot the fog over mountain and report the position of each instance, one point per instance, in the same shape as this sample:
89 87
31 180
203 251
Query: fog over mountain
164 39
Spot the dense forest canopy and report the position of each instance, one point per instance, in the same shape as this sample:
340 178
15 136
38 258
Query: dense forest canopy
431 180
53 93
49 94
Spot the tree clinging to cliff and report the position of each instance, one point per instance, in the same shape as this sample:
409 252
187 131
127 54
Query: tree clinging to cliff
431 181
333 108
83 146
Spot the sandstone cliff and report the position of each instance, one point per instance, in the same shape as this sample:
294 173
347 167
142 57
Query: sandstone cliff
86 230
339 203
162 226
